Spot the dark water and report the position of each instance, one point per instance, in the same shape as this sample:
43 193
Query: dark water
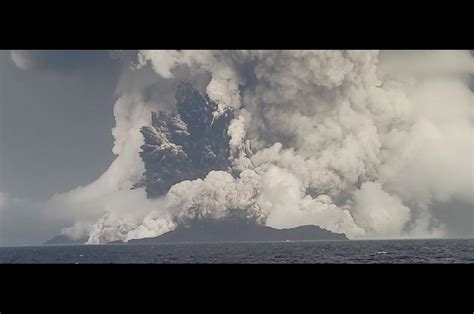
390 251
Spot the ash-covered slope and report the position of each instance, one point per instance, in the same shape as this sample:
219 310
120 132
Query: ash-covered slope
185 145
238 231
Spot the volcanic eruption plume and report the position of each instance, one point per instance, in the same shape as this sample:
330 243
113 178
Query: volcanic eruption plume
356 142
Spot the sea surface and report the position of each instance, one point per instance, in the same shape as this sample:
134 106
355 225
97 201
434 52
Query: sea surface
360 252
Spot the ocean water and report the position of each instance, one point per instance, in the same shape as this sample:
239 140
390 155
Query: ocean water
360 252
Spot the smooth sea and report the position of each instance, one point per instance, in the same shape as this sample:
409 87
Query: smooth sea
313 252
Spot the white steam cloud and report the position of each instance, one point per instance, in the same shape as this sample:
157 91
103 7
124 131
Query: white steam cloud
23 59
359 142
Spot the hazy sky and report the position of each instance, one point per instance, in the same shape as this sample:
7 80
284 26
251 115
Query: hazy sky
55 128
55 134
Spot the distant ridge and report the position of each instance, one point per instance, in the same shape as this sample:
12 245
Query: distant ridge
201 231
64 240
238 231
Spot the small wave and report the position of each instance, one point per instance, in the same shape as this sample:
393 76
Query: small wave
381 252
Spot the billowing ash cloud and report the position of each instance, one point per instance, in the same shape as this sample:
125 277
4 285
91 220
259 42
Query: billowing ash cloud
186 144
359 142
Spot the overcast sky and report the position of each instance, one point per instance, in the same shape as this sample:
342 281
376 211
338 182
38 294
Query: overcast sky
55 134
55 131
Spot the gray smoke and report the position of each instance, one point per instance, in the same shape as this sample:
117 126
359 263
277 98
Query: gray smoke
359 142
186 144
